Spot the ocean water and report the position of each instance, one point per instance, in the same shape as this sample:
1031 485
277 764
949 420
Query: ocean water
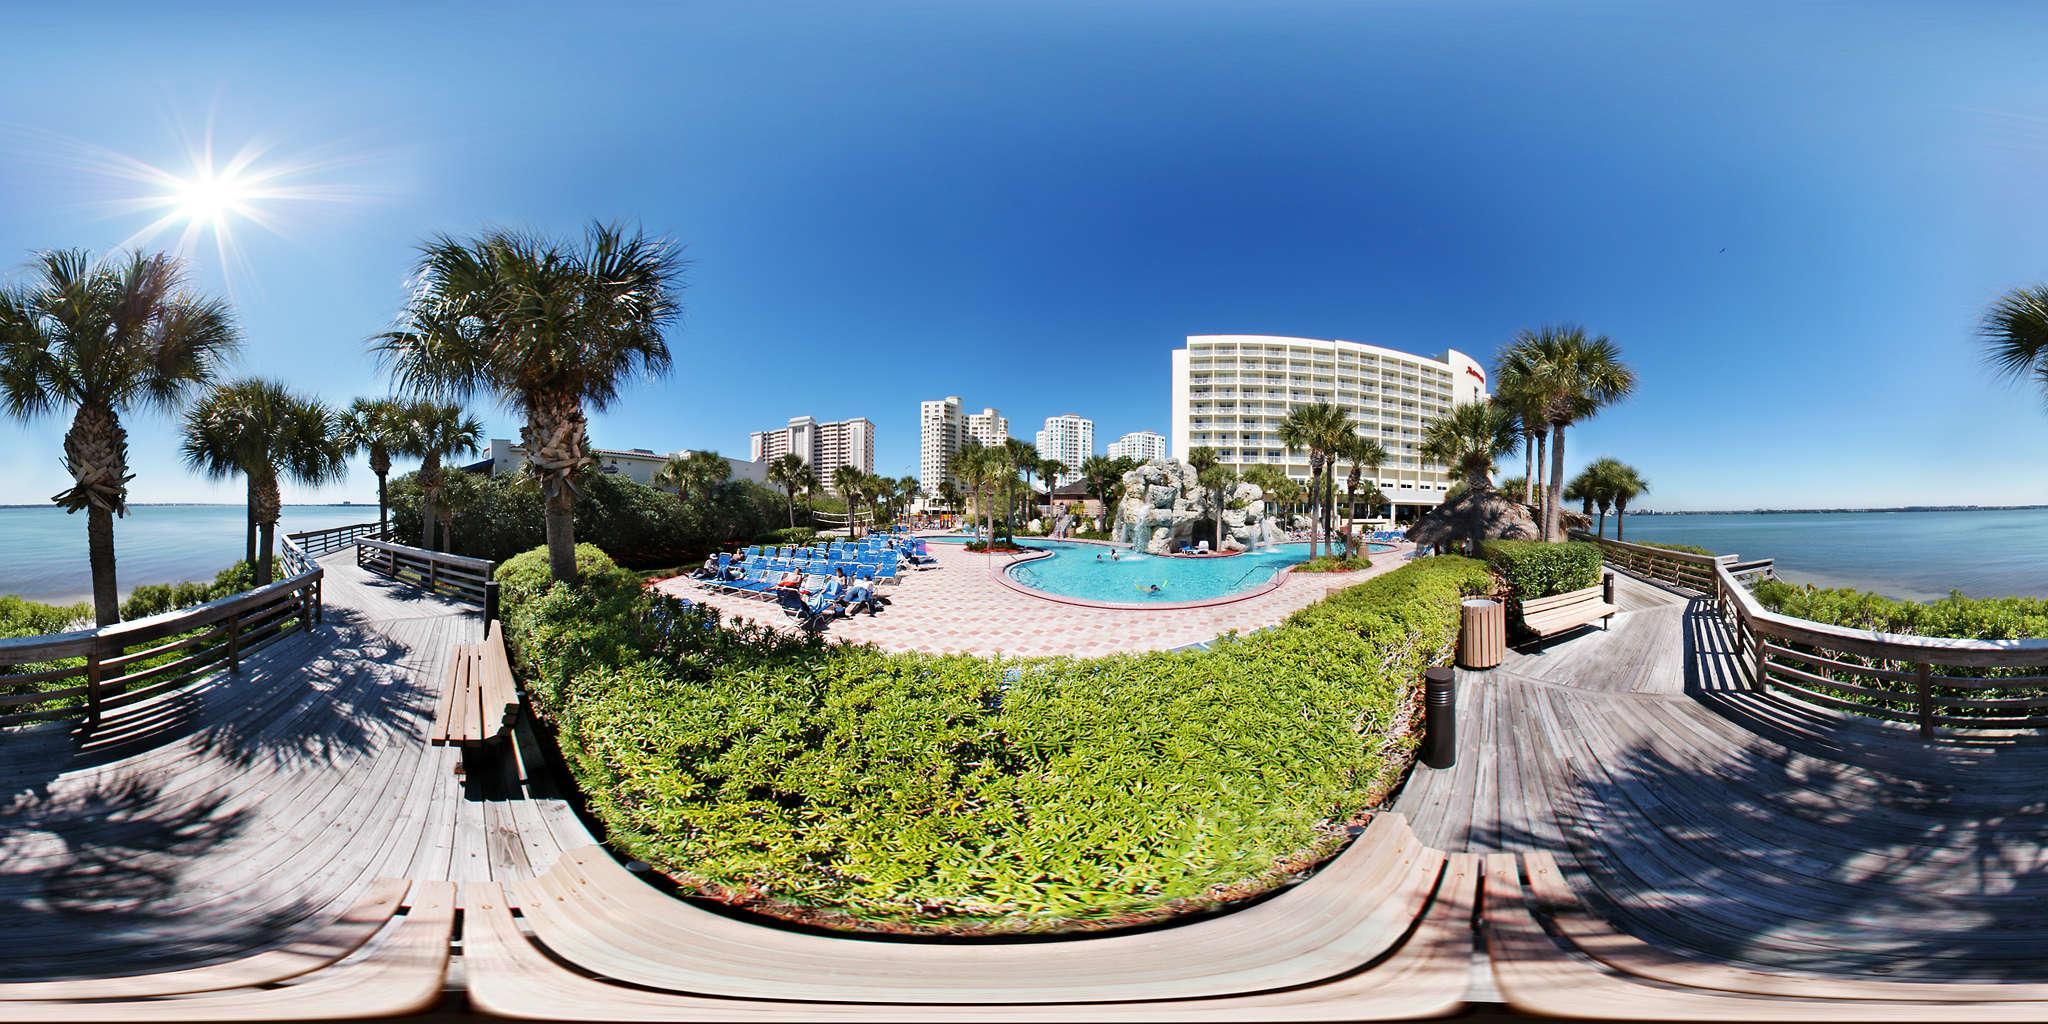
43 554
1918 556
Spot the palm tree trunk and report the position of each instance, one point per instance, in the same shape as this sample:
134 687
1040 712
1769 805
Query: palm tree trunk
249 527
265 501
1550 510
1539 483
1528 467
383 506
1602 531
1620 514
99 541
561 529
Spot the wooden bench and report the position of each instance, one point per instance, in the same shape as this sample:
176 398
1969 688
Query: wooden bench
402 972
479 699
1581 967
1558 613
556 971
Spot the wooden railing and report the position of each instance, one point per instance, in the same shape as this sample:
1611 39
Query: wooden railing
317 543
453 575
1927 681
1684 570
91 671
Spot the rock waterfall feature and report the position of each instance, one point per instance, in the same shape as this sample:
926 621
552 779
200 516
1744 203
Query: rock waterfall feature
1164 503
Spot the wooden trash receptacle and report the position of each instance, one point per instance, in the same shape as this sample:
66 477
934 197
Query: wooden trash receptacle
1482 633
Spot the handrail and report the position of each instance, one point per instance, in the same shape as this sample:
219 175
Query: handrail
456 576
294 557
86 672
328 540
1685 570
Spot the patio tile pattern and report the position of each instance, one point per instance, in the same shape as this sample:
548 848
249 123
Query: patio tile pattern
959 607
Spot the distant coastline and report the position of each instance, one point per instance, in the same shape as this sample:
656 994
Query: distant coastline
209 504
1833 511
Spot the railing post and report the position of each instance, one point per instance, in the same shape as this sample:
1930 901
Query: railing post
92 684
1607 588
1923 691
490 606
235 643
1756 640
433 573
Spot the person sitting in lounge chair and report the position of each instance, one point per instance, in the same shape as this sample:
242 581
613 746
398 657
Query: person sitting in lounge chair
709 570
856 595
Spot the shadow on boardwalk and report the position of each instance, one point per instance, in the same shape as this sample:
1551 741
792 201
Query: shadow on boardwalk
1753 828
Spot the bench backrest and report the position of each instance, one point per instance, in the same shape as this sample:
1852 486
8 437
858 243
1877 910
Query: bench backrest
1590 595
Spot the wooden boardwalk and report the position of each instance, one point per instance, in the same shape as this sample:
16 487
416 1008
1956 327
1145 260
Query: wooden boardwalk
1746 827
240 813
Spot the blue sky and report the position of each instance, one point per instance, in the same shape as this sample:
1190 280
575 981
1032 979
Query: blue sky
1787 215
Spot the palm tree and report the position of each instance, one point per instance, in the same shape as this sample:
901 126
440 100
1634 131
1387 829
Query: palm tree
1471 439
436 431
374 426
789 473
1101 475
101 340
1569 377
1366 456
949 493
1023 459
1280 489
553 330
984 471
2015 335
851 484
1318 429
1580 489
462 493
1514 387
693 472
260 430
1628 486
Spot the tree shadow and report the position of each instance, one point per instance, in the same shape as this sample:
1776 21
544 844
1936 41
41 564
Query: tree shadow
90 874
1751 828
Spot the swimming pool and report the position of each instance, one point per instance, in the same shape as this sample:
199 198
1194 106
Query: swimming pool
1086 571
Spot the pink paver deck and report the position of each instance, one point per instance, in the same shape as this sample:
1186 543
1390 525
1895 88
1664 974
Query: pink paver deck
960 607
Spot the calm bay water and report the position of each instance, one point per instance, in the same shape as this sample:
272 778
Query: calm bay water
1915 555
43 556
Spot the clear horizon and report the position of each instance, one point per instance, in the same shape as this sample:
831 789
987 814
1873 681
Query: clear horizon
1788 218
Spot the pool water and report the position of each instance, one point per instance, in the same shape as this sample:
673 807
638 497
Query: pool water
1086 571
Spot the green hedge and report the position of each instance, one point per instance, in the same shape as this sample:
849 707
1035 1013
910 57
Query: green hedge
848 786
1694 549
1980 618
157 598
1538 569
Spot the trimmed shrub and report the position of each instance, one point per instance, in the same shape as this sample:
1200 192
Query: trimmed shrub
1335 563
157 598
843 785
22 617
1693 549
1536 568
636 524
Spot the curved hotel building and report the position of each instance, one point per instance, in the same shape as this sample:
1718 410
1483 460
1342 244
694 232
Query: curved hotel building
1230 392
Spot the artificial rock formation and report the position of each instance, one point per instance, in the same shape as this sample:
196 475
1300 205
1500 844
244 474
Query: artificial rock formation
1164 502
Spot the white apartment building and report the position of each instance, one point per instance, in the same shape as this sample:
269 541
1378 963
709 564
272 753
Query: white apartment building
1138 446
636 464
1230 392
823 446
943 429
1070 438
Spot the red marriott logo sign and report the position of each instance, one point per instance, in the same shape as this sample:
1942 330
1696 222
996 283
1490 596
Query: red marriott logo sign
1477 373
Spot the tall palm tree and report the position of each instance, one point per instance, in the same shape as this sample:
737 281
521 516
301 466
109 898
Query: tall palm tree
851 483
1570 376
1579 489
949 493
462 494
260 430
1628 486
101 340
1023 459
1366 456
375 426
553 329
1515 387
985 471
1101 475
788 472
436 431
1318 429
1471 439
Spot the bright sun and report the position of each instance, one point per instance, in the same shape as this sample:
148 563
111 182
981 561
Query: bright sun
208 198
